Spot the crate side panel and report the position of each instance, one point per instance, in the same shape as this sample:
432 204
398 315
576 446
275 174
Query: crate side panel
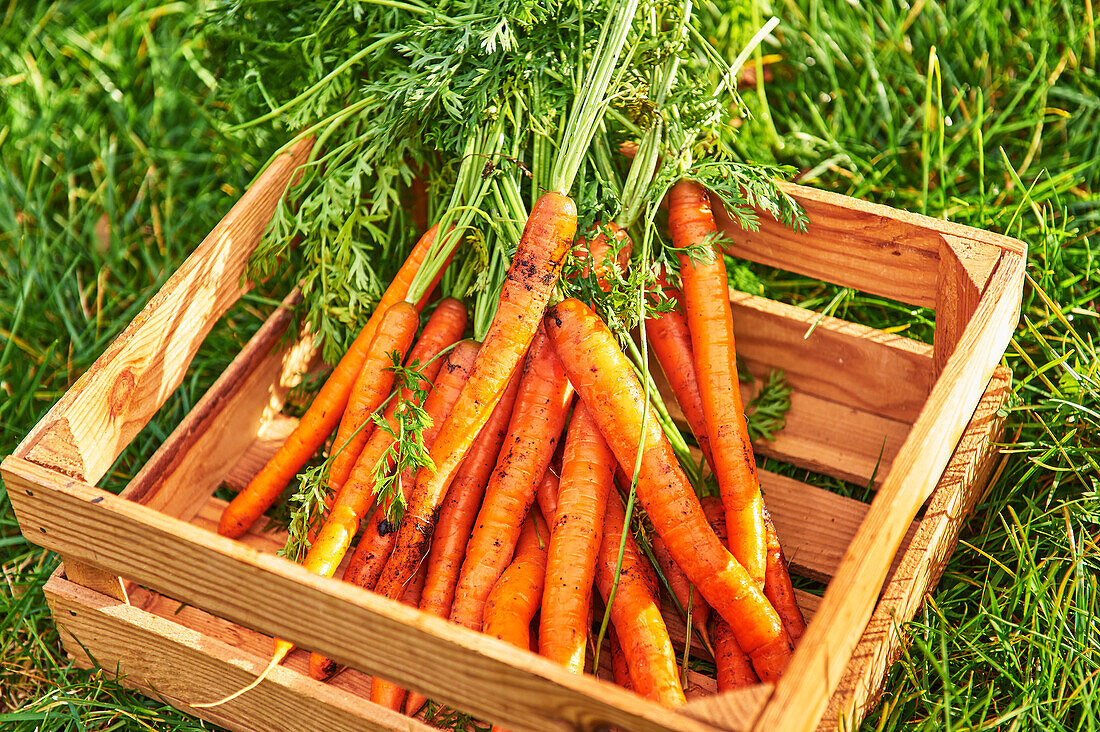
848 363
172 661
484 676
802 695
920 566
199 453
116 397
848 244
819 435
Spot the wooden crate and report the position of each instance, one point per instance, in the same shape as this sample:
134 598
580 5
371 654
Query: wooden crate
188 620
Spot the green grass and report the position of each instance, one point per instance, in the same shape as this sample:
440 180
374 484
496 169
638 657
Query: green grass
112 170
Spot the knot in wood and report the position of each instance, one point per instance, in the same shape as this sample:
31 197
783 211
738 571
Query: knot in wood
121 392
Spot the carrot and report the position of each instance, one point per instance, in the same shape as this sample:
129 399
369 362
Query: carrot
527 288
387 693
620 671
587 472
324 413
602 253
457 515
353 501
734 667
538 417
460 508
636 614
682 589
516 596
604 379
443 328
671 342
377 540
710 320
777 585
546 493
395 333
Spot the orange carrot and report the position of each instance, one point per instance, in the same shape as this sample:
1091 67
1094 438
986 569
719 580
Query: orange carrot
733 665
378 536
377 540
671 342
527 288
636 614
620 671
442 329
538 417
386 693
604 379
587 471
599 252
681 587
457 515
516 596
459 510
777 585
324 413
395 333
352 503
546 494
710 321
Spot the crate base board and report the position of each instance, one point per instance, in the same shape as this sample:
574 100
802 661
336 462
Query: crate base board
168 660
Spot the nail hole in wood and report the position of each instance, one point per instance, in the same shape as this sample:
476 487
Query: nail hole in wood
30 493
73 613
42 529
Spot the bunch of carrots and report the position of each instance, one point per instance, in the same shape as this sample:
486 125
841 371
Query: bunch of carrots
494 482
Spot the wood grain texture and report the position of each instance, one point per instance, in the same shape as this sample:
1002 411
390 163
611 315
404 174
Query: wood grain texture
965 269
802 694
922 562
199 453
819 435
733 710
848 363
113 400
269 437
351 625
872 248
96 578
815 526
288 699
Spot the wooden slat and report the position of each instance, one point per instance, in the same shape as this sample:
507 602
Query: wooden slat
269 437
965 269
867 369
836 440
922 562
218 661
350 625
96 578
869 247
113 400
815 670
732 710
819 435
194 459
814 525
855 246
